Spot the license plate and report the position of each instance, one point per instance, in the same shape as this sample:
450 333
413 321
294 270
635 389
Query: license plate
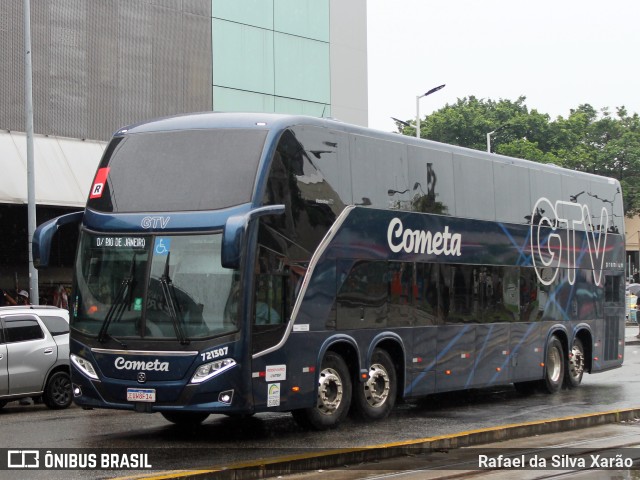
141 395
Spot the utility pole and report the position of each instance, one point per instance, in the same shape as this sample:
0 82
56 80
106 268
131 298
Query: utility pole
34 295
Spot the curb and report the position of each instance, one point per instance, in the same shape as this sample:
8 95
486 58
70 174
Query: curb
333 458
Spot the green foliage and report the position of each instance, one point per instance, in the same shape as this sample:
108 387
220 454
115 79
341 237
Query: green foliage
587 140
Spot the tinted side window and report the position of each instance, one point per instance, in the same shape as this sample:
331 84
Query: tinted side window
55 325
474 191
22 330
402 292
272 292
311 203
612 288
324 179
363 296
431 181
379 174
513 200
427 304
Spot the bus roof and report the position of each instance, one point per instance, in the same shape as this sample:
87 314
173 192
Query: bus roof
280 122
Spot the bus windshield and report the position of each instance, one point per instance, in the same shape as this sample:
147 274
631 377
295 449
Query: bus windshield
156 287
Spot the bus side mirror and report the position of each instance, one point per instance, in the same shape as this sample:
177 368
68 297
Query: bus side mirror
234 232
43 236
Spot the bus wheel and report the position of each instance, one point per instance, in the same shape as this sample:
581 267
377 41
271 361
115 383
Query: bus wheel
575 365
334 396
554 366
186 418
374 399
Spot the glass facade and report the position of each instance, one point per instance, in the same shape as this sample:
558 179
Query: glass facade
271 56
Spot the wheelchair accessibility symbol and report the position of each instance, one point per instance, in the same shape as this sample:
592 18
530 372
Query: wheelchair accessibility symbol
162 246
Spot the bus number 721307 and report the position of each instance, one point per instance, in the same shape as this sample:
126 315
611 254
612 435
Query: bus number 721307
213 354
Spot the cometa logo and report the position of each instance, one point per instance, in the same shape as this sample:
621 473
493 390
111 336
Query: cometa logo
421 241
138 365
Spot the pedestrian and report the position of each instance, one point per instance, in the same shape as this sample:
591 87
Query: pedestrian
23 298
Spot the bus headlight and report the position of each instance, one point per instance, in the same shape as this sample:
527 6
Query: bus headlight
84 366
208 370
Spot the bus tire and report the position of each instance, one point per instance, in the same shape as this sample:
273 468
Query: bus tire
57 392
575 365
334 396
553 366
185 418
374 399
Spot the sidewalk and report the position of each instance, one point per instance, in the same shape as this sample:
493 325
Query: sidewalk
631 330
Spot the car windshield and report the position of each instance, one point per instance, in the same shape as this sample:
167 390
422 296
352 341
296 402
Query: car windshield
164 287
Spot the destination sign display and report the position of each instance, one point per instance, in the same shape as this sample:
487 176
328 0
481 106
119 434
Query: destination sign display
119 242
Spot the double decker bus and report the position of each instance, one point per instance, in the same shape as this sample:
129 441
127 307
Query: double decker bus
244 263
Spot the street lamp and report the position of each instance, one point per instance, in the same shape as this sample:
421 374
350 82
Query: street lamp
489 136
402 122
434 89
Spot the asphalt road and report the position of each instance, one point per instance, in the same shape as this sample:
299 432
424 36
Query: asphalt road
221 440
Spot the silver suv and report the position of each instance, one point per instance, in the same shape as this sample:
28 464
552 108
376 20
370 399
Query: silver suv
34 355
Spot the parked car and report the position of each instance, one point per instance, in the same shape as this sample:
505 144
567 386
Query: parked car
34 355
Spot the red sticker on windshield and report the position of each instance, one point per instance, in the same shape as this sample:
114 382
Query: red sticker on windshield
99 182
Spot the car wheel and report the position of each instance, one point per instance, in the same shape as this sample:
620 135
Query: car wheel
57 393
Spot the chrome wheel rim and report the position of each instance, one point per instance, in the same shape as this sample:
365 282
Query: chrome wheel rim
576 362
330 391
377 386
554 365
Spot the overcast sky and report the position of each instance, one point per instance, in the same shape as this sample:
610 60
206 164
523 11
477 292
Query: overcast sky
559 54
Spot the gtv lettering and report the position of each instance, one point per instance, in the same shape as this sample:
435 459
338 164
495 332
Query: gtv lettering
554 235
421 241
155 222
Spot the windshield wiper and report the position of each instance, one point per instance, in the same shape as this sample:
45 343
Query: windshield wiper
173 306
119 305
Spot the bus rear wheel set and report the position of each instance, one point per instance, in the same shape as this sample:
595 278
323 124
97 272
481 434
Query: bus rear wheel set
560 370
371 400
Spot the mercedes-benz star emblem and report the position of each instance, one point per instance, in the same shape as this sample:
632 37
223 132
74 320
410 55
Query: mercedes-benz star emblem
142 377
